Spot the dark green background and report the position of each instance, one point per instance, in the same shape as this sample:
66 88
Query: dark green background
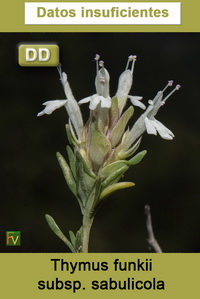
168 178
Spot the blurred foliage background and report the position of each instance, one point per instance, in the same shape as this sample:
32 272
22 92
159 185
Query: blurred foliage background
168 178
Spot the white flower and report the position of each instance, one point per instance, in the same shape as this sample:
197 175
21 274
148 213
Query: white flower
124 84
135 100
70 104
51 106
147 121
102 80
102 88
126 79
153 126
95 100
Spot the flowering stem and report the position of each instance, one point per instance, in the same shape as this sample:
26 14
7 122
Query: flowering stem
151 238
87 224
99 148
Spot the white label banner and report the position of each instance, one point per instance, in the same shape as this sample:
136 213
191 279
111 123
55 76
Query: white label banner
102 13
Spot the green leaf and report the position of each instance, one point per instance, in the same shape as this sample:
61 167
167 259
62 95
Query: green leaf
84 181
119 128
69 135
86 167
122 103
51 222
137 158
72 160
72 238
73 134
114 112
112 168
99 147
114 187
79 240
93 197
123 154
115 175
67 173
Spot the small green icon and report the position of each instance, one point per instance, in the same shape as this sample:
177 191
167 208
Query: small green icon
13 238
38 55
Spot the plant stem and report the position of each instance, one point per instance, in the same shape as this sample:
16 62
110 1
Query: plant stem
151 238
87 224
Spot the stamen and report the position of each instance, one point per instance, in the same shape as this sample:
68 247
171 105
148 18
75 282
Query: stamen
133 59
101 63
133 63
169 95
170 83
97 57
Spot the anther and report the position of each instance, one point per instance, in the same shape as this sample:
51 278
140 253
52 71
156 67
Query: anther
170 83
133 59
97 62
130 58
101 63
97 57
169 95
